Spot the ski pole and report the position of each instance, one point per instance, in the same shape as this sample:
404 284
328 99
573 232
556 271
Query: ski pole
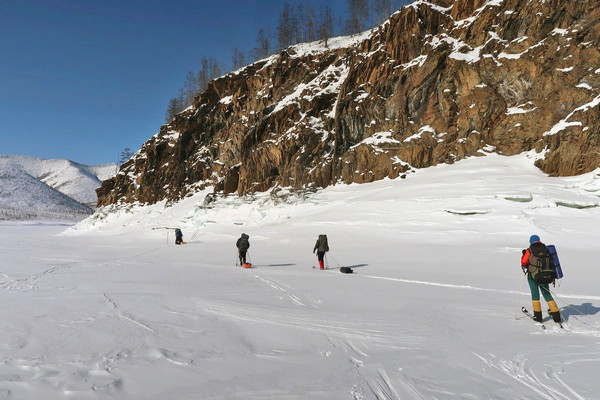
519 297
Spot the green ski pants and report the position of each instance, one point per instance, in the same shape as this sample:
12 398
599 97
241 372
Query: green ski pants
535 290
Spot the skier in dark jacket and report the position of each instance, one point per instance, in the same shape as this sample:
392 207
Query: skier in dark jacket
243 245
321 247
529 265
178 236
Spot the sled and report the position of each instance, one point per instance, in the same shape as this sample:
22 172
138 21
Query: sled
247 265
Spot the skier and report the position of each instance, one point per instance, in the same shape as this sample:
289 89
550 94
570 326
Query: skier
529 265
243 245
178 236
321 247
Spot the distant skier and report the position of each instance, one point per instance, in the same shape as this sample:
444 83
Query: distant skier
321 247
178 236
529 263
243 245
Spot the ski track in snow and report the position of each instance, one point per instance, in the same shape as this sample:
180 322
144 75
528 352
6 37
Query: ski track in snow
522 371
294 298
29 282
465 287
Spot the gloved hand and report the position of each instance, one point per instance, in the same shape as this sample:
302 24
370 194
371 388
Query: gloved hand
524 251
524 269
313 252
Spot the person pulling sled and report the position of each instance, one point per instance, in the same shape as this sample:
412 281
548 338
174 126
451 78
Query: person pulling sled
321 247
538 264
243 244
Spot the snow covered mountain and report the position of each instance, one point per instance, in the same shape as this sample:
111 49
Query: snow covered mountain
36 188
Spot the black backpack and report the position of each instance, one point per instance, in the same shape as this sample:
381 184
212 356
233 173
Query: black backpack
243 243
322 243
541 264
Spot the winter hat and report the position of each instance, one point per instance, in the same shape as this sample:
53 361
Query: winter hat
533 239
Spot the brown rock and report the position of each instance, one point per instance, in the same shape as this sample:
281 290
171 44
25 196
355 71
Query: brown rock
440 81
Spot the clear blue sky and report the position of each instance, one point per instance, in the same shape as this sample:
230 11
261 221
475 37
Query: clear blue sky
83 79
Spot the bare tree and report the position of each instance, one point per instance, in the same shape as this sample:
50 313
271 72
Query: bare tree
190 88
325 31
300 24
210 69
238 59
358 18
310 23
285 27
383 9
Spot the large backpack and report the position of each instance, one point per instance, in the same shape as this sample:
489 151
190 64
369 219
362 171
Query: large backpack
323 246
243 243
541 264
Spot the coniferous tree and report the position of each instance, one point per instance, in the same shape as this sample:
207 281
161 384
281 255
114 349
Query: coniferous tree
125 155
175 106
263 45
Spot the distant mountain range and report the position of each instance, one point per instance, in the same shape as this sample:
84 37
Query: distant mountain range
34 188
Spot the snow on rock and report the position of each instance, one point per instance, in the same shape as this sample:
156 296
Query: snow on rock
565 123
378 138
519 109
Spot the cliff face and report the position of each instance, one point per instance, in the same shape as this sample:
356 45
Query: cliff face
440 81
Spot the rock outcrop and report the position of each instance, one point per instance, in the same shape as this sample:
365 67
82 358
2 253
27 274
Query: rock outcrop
441 80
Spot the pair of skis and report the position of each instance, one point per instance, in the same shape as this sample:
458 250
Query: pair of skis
541 324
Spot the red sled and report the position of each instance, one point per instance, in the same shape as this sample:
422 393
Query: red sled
247 265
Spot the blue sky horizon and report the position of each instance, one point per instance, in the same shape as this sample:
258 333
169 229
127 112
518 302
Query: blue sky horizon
83 80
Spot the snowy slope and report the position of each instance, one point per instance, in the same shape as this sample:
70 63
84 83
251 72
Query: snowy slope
111 309
70 178
32 184
23 196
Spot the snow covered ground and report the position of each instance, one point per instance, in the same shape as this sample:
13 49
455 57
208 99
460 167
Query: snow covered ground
111 309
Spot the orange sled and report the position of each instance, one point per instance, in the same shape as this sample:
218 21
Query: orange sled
247 265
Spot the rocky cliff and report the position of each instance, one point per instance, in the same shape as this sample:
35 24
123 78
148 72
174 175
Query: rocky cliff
441 80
